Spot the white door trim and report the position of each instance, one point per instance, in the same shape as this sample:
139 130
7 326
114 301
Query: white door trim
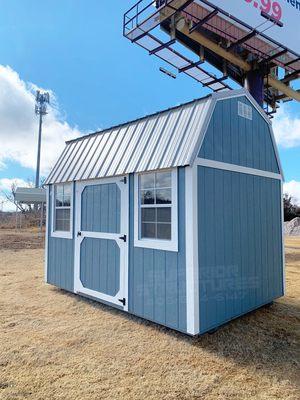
124 205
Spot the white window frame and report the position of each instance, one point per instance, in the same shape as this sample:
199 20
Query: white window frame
61 234
159 244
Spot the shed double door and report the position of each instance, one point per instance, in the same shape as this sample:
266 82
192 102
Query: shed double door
101 244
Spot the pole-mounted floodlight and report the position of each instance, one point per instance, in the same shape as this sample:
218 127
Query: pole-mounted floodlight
41 101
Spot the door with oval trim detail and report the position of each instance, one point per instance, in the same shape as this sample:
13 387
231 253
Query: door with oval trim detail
101 240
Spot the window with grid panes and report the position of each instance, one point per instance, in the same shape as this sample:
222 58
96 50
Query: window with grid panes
62 207
155 205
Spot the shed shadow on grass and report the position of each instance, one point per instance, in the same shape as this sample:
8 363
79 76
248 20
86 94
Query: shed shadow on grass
266 339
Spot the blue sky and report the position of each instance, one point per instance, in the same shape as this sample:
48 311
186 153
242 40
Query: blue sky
76 50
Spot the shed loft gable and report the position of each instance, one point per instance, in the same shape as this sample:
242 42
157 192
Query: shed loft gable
239 134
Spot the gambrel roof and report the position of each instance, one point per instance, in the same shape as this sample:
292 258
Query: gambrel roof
169 138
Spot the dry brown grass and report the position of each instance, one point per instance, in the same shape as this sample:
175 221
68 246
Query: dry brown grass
56 345
12 239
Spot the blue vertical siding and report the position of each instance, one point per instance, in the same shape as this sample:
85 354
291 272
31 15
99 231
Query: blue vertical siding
104 218
157 278
237 140
60 262
100 265
240 244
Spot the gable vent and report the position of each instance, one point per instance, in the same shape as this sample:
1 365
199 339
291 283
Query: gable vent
244 110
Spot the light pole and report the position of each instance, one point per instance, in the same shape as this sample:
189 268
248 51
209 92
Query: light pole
41 101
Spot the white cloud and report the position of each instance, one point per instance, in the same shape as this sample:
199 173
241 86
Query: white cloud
293 189
6 183
286 127
19 125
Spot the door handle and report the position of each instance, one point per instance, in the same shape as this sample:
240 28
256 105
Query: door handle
78 233
124 238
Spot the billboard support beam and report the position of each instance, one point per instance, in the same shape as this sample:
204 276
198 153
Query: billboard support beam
198 37
204 41
255 85
288 91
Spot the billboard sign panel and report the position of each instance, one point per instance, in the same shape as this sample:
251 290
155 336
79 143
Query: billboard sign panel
249 11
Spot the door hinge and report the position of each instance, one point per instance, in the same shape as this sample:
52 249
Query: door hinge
78 233
123 301
124 180
124 238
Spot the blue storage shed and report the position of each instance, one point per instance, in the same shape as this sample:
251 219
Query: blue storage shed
175 217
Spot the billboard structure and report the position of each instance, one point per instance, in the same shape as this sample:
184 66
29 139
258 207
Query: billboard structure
253 42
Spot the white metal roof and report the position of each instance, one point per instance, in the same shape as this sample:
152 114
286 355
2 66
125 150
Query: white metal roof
163 140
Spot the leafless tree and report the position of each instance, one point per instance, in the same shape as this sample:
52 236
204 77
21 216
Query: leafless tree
9 195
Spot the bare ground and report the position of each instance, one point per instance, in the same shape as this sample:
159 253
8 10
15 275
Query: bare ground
55 345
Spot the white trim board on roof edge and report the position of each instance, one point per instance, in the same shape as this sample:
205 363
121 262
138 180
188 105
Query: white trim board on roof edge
204 162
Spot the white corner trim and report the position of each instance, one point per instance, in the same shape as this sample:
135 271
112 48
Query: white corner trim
46 235
236 168
62 234
168 245
282 238
191 239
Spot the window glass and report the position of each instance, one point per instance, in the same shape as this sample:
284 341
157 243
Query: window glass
67 195
147 181
148 215
163 196
163 179
155 199
147 196
148 231
164 214
163 231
